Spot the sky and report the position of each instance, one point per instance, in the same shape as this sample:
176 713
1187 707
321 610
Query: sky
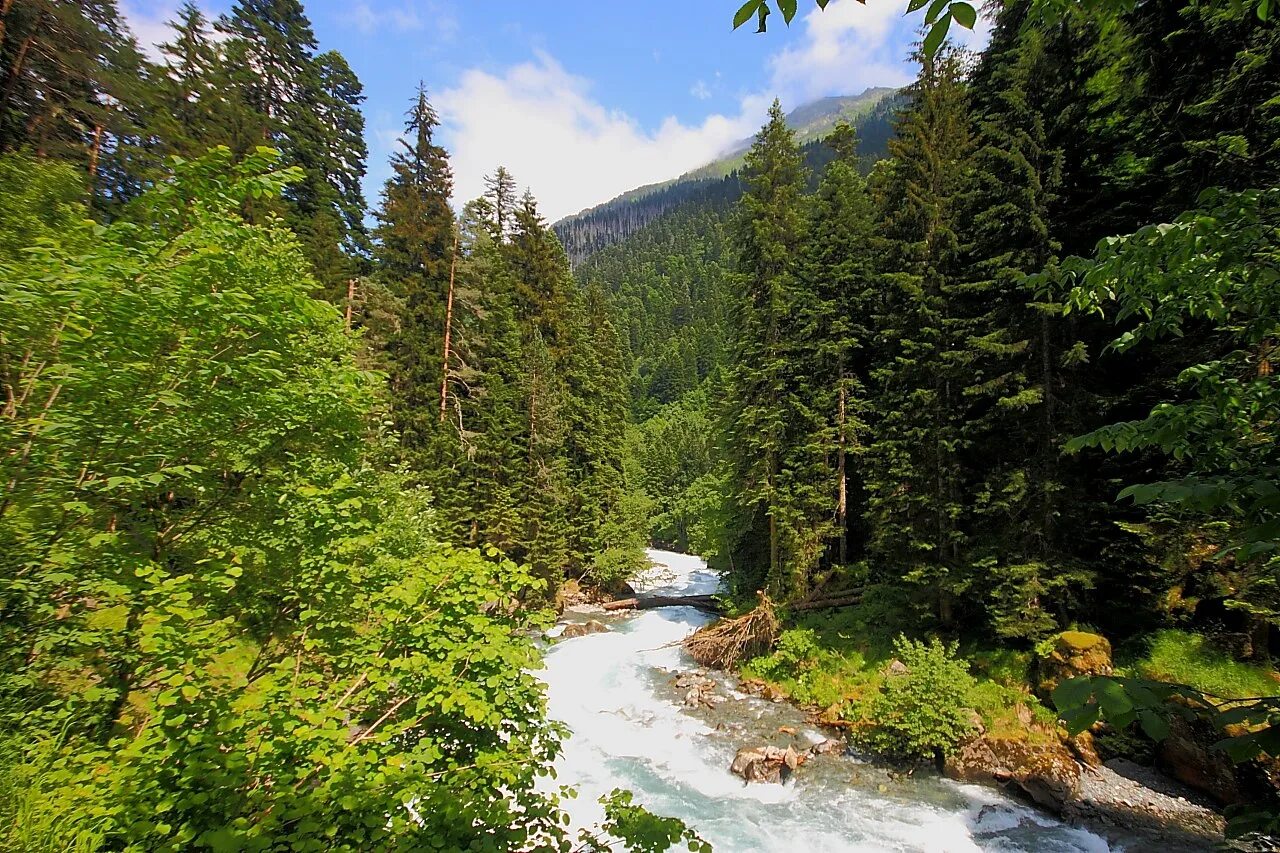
585 99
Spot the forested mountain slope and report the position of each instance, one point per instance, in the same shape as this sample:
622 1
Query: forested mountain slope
717 185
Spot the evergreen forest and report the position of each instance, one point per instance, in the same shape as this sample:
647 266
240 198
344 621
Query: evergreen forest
293 482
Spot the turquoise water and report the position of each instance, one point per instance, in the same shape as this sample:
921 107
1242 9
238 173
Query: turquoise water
631 730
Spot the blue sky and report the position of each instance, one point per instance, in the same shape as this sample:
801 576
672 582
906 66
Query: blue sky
584 99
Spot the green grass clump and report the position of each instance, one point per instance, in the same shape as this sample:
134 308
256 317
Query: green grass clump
1185 658
810 672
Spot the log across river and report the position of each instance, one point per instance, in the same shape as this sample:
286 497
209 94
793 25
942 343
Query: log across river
632 727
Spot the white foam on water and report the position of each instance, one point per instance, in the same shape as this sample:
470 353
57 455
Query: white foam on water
626 734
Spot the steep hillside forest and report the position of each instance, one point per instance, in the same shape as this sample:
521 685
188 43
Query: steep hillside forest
293 481
717 186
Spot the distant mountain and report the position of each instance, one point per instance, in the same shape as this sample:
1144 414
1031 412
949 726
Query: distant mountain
812 122
716 184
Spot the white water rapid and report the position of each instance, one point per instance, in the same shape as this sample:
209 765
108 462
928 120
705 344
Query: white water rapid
631 730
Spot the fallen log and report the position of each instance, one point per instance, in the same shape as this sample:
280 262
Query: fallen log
707 603
823 603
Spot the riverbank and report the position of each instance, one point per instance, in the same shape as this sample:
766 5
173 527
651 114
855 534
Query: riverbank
834 665
619 693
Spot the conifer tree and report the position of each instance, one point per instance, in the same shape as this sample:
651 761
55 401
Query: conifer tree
308 107
75 87
414 251
500 191
836 331
768 232
915 460
199 108
1024 355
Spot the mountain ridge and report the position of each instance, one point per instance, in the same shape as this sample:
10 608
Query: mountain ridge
716 183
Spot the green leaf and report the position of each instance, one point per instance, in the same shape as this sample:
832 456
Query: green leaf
1155 725
965 15
788 9
1112 697
745 12
1080 719
937 34
1072 693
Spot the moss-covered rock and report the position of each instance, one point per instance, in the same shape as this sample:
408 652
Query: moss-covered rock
1069 655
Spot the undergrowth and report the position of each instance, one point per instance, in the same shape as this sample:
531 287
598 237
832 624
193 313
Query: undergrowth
1185 658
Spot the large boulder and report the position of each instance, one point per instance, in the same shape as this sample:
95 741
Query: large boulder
582 629
1187 755
1072 654
569 594
766 763
1047 773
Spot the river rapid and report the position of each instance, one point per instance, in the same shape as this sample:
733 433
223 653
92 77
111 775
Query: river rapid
631 729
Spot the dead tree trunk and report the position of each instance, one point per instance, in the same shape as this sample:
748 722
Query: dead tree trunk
351 298
448 329
708 603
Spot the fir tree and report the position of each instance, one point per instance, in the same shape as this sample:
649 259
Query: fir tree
915 460
414 252
836 331
500 191
768 232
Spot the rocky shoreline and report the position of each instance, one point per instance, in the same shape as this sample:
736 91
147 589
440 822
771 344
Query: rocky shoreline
1117 799
1130 804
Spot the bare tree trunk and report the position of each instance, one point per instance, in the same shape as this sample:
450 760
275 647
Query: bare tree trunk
94 150
351 298
5 6
448 329
775 555
842 482
16 71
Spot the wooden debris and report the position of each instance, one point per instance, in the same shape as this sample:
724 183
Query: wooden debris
726 643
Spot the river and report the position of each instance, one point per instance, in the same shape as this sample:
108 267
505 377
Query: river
630 730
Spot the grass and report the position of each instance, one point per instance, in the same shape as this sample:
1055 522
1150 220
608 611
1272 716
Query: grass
1190 659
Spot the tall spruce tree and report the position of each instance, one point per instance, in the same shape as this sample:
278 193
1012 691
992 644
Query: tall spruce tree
768 233
1025 493
915 460
414 253
500 190
836 331
199 109
308 107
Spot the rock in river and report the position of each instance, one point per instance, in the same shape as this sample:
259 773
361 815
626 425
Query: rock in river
1047 773
766 763
582 629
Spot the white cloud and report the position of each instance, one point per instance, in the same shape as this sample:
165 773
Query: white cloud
847 48
540 122
371 18
148 20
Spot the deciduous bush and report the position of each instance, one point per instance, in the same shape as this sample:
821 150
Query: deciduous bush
922 711
221 626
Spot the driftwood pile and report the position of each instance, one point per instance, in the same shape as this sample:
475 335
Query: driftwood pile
726 643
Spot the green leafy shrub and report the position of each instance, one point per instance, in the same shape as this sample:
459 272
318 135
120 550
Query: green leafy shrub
640 830
222 626
797 653
922 712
